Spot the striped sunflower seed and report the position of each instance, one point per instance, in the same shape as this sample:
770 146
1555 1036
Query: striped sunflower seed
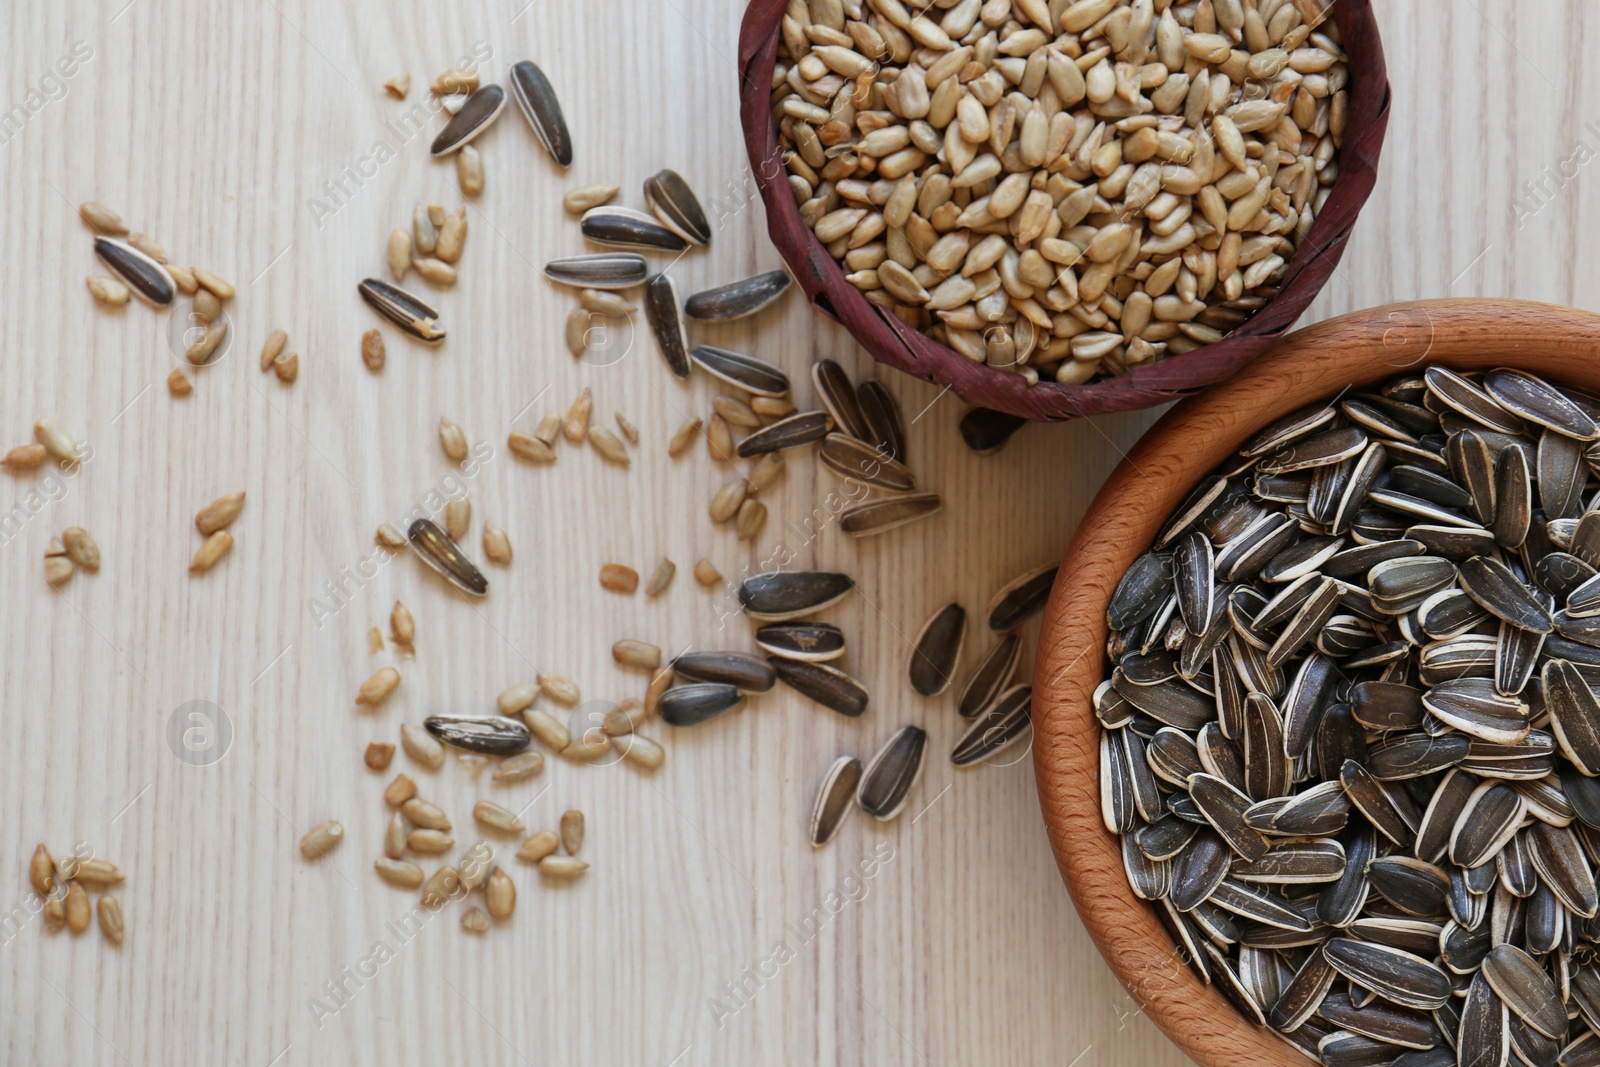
665 315
493 735
698 702
782 596
936 652
889 778
827 685
739 299
751 674
1021 599
815 642
880 516
620 227
753 375
996 727
403 309
146 276
675 204
801 428
607 270
483 106
882 414
856 460
537 100
835 797
435 548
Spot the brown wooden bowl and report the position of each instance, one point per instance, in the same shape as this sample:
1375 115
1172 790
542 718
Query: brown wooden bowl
1195 436
893 342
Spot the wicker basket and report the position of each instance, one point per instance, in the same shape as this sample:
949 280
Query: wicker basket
893 342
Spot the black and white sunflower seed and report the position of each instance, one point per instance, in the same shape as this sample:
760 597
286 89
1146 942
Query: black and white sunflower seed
536 98
675 204
835 797
893 773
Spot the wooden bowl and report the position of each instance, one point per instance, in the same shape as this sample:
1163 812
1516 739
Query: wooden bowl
893 342
1195 436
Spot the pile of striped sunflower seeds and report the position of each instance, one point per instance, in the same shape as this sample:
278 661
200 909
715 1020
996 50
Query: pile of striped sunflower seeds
1351 734
1062 190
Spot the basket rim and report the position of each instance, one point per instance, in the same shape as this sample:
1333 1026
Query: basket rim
891 342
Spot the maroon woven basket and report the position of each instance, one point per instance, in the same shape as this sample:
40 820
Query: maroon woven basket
893 342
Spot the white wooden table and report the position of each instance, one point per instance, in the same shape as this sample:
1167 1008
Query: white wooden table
247 139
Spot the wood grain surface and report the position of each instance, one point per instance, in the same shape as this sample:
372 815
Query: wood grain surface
256 140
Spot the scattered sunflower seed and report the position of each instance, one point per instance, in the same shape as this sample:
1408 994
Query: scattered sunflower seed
607 270
537 100
420 746
835 797
675 204
56 441
492 735
483 106
319 840
936 652
435 548
665 315
210 551
148 279
890 777
584 197
738 299
469 170
620 227
828 686
111 923
572 831
562 867
619 578
101 219
108 290
698 702
376 690
403 309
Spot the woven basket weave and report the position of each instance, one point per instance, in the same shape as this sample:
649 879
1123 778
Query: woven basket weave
893 342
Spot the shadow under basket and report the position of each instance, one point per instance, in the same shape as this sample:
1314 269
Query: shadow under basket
894 343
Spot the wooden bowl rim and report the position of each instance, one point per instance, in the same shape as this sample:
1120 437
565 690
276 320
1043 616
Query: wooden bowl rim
892 342
1186 444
